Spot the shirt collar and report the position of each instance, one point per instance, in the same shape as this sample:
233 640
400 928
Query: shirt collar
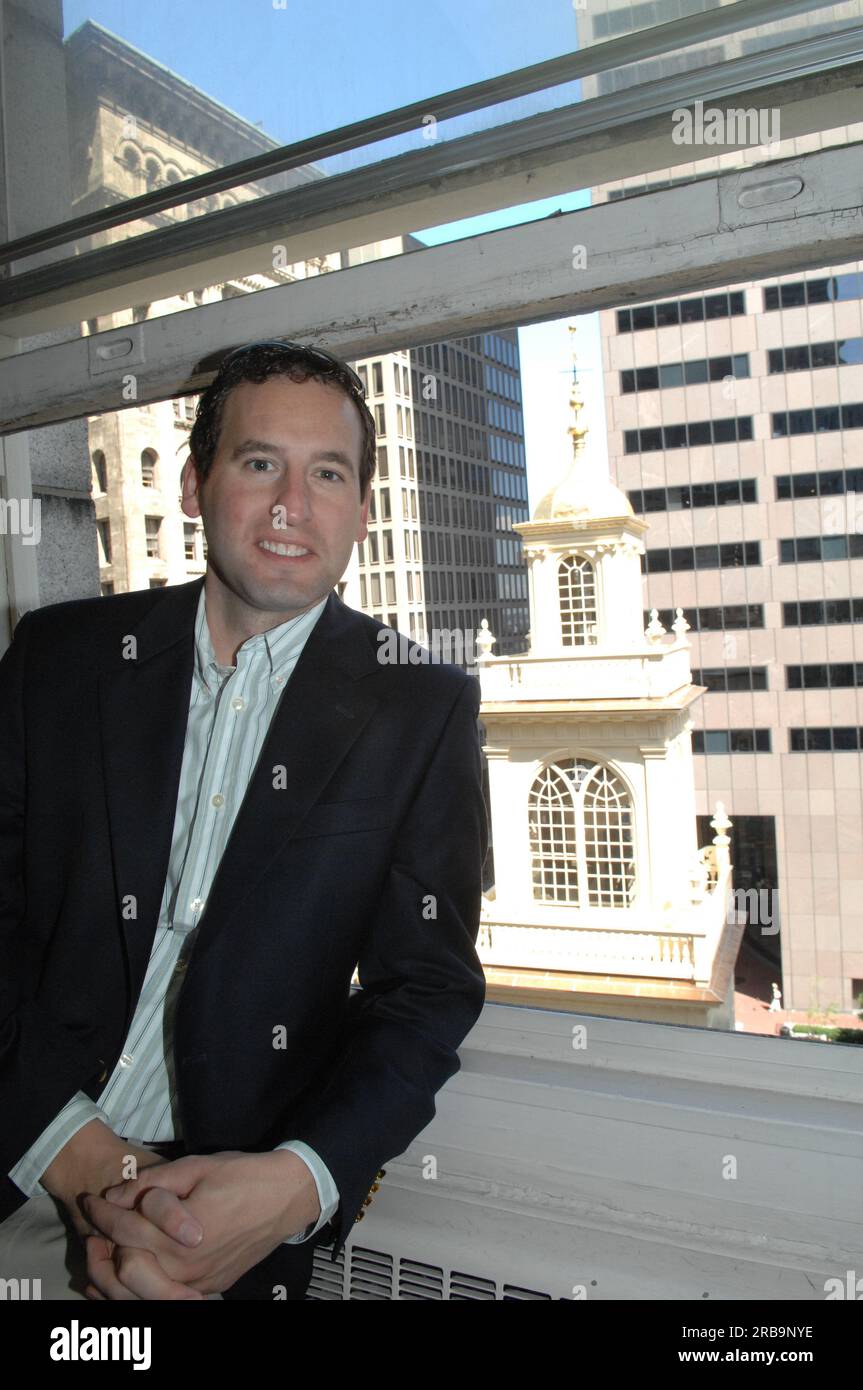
282 645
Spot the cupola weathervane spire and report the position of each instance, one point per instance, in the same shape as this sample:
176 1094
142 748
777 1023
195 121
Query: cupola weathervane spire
576 403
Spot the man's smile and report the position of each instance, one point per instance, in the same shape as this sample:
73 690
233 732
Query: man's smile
282 550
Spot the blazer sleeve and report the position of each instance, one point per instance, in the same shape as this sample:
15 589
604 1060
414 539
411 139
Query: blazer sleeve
41 1061
423 985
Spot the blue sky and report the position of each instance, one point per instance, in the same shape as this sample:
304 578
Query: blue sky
297 70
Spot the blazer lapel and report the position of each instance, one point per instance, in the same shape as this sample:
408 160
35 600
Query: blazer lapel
144 706
321 714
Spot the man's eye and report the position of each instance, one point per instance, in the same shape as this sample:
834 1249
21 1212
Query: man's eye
333 474
254 461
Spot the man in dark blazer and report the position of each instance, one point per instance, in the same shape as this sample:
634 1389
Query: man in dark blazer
358 840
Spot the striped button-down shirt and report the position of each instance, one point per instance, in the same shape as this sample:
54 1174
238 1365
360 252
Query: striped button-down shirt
230 712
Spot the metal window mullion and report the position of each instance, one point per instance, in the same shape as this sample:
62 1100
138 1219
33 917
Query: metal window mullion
485 172
595 58
692 236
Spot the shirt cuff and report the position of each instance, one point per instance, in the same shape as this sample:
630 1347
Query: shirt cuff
79 1111
328 1193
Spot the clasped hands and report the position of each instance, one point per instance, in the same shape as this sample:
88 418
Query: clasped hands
192 1227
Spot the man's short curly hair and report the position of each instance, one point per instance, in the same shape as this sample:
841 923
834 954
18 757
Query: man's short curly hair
257 362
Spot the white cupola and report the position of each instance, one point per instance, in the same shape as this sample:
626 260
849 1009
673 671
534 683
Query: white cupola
598 875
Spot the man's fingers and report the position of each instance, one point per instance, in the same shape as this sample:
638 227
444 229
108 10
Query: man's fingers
103 1276
161 1206
120 1226
139 1272
179 1176
121 1274
165 1210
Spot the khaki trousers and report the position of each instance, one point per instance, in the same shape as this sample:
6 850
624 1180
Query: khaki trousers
39 1242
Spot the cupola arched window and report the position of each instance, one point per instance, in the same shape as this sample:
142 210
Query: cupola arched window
576 584
581 821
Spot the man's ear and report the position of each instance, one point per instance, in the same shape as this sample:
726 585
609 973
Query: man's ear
190 484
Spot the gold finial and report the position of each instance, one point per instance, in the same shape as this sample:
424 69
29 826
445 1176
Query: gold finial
576 403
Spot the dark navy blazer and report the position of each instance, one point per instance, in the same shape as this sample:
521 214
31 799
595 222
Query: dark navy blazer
369 851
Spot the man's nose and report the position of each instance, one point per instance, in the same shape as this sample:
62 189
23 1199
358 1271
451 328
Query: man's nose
293 499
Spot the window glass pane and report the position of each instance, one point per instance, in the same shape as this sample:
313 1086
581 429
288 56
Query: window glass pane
679 337
671 374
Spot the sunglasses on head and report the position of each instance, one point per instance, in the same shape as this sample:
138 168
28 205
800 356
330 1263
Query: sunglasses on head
317 355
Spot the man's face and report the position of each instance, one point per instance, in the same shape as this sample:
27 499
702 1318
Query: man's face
285 475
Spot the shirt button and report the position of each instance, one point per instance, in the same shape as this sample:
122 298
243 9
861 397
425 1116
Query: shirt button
197 904
218 799
238 703
280 680
126 1060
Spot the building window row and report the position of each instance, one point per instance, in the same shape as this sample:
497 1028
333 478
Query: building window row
799 550
835 675
510 586
826 740
502 450
723 618
831 482
501 350
731 741
428 394
454 360
808 357
694 373
825 419
469 550
458 511
693 435
149 469
506 484
507 550
454 473
675 311
688 495
730 678
829 289
502 383
730 554
454 436
822 612
504 417
505 516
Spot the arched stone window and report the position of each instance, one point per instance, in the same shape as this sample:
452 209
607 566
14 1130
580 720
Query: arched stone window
149 459
576 583
581 822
